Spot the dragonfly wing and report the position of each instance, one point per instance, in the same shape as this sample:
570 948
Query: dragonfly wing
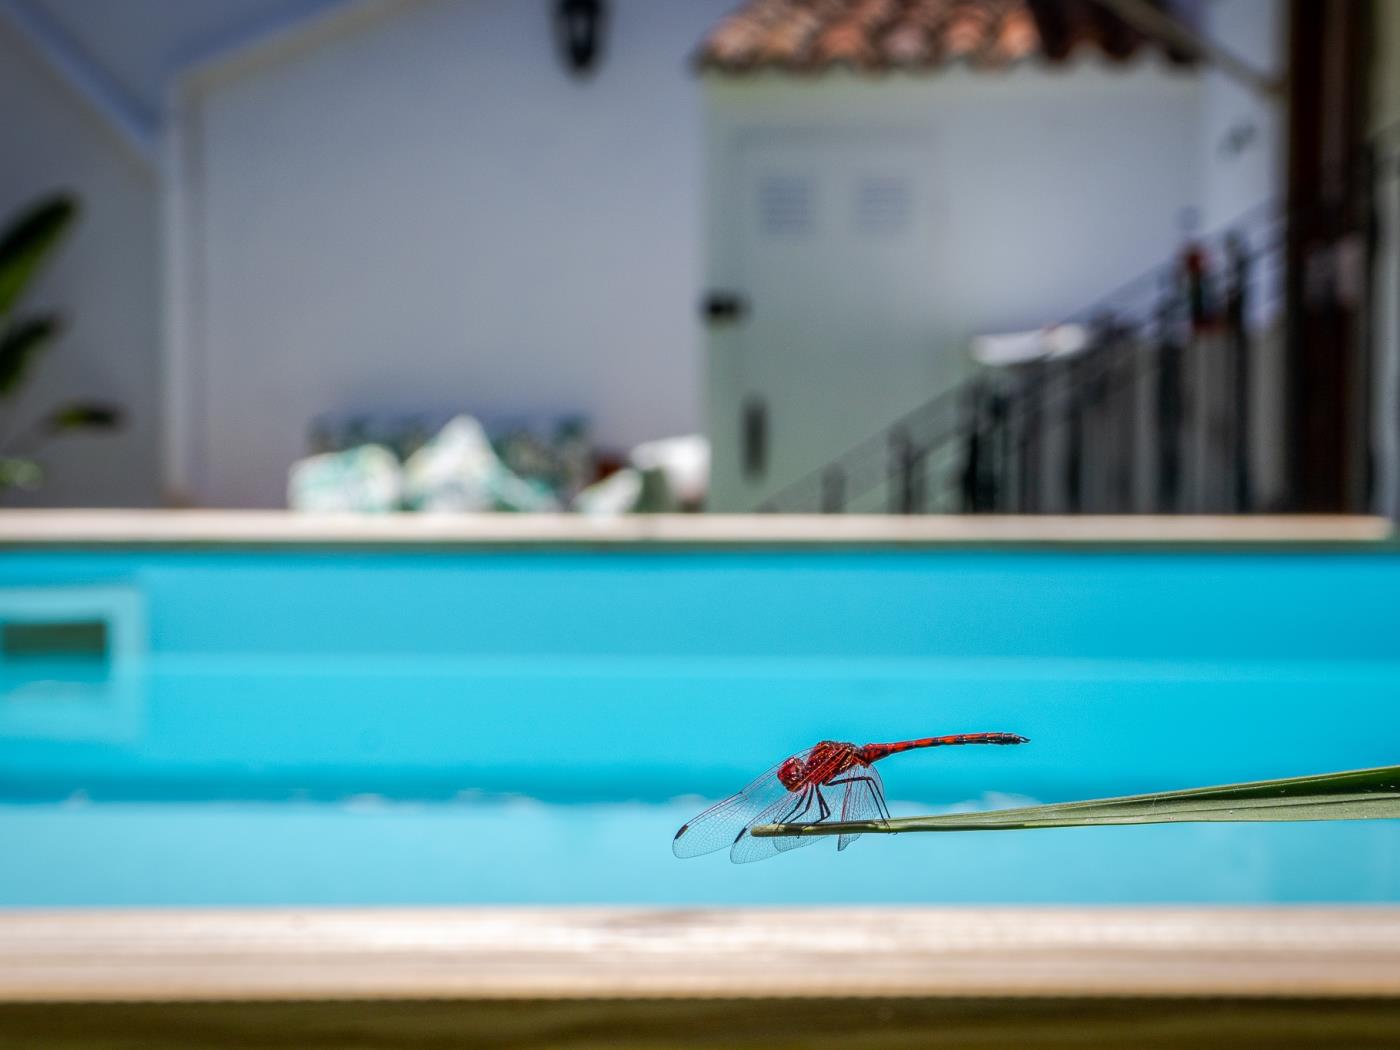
799 808
864 800
825 800
717 827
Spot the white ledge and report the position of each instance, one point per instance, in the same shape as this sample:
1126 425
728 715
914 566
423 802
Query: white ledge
502 953
273 528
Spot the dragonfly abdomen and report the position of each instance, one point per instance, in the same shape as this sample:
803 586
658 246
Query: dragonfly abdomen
874 752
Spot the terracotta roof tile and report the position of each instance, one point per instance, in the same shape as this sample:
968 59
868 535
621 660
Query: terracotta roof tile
813 35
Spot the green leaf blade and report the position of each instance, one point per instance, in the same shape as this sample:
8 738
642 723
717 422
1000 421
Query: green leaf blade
83 415
21 346
27 242
1361 794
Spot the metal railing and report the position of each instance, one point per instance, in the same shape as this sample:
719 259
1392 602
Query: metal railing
1160 411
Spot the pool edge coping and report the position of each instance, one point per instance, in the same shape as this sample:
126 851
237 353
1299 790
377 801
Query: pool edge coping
210 529
596 952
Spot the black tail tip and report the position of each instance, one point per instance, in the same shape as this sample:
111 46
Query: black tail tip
1014 738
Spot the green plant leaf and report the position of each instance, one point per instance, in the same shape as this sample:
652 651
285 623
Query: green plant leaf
83 416
27 242
18 473
1359 794
20 345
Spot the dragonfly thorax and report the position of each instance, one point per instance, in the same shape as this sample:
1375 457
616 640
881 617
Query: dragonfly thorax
823 762
792 773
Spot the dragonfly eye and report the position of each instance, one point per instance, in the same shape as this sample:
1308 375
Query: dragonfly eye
791 773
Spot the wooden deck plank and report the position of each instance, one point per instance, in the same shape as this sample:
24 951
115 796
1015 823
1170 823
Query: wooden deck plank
100 528
504 953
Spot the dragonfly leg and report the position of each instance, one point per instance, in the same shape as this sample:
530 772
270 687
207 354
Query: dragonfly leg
821 801
880 801
802 802
799 804
874 790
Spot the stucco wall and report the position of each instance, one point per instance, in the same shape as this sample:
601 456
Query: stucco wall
105 280
429 214
1243 132
1387 68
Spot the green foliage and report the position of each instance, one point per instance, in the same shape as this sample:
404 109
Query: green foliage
83 415
26 245
1361 794
29 241
19 473
20 346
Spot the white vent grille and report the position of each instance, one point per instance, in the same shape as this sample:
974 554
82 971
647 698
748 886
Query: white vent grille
884 205
786 205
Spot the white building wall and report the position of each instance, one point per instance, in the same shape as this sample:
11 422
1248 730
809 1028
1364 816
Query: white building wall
1059 184
105 280
1387 67
428 213
1243 130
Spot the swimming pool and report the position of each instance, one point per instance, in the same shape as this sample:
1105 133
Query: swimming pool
380 726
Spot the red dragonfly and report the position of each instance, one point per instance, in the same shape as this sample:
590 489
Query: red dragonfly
829 779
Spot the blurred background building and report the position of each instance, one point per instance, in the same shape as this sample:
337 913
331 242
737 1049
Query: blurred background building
786 225
884 190
906 256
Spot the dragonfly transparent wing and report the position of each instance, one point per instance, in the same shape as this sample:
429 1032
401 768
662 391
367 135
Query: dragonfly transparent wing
864 800
826 799
800 808
718 826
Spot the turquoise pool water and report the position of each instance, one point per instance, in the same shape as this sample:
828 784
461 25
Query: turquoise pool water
297 727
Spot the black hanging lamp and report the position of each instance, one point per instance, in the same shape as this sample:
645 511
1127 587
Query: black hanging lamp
579 26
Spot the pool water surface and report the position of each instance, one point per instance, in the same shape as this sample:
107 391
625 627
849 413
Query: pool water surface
459 727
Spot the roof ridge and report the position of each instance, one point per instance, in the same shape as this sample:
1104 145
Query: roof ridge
812 35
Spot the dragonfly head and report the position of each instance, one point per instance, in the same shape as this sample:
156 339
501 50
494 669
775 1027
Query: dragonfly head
792 772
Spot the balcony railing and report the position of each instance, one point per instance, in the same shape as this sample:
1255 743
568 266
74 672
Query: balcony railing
1176 402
